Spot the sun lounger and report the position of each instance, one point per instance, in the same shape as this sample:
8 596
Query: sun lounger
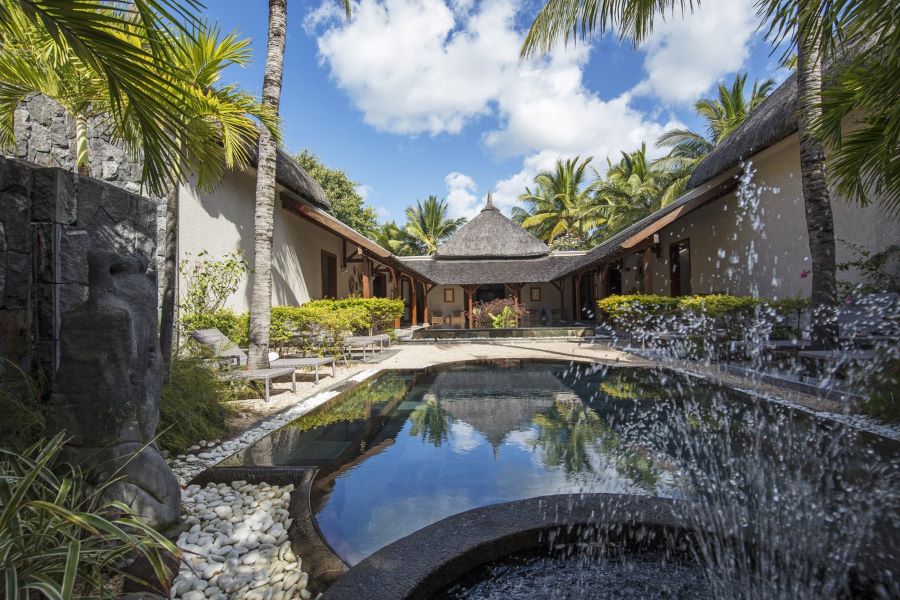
366 342
266 376
227 352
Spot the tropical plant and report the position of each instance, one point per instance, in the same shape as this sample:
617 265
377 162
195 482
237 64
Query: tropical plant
631 190
58 534
811 28
430 421
127 48
209 283
391 237
498 313
722 116
192 405
264 212
223 116
346 203
561 204
879 271
428 224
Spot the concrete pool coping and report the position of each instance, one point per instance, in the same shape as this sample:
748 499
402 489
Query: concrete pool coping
424 562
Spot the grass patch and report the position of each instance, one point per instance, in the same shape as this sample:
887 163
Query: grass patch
193 405
22 423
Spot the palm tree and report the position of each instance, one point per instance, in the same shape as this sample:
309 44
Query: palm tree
722 115
222 116
264 213
428 224
391 237
631 190
430 421
561 204
812 27
122 45
264 216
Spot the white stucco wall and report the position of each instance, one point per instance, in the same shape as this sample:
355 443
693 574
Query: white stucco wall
221 221
723 235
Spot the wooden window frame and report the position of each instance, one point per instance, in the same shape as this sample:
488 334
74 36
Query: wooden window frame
452 295
535 294
332 256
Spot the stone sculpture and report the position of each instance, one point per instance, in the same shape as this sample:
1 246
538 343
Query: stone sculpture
106 394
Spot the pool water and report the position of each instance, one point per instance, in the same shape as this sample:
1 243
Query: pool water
410 448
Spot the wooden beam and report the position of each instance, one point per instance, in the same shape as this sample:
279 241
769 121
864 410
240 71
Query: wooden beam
577 281
426 289
395 292
329 223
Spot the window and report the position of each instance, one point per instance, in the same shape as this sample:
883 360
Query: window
680 268
449 296
329 275
535 294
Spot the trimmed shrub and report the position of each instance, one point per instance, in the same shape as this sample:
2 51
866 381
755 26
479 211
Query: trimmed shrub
192 405
882 387
380 312
636 310
718 305
235 326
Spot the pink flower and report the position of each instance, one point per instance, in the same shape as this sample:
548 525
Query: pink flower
805 273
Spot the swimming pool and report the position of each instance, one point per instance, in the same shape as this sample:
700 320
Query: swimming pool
410 448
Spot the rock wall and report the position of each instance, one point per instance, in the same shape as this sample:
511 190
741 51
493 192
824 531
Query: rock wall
45 135
50 219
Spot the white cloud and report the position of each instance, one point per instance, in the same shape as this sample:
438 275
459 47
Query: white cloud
432 66
461 198
685 56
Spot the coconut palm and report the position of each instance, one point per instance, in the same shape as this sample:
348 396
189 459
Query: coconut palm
631 190
811 27
223 117
430 421
264 212
428 225
562 204
391 237
121 44
722 115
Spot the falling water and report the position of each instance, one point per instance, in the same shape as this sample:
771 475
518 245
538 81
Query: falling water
783 508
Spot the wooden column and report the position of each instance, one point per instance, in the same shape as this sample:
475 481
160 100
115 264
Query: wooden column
395 292
414 305
366 277
648 271
576 316
427 290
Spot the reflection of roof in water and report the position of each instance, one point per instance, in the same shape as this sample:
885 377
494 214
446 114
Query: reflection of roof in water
498 402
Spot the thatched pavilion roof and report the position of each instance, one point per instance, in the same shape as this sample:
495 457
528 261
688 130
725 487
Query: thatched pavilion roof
482 271
292 176
491 235
509 406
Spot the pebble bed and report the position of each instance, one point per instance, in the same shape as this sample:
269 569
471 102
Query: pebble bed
237 544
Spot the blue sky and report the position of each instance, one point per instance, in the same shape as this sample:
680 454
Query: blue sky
423 97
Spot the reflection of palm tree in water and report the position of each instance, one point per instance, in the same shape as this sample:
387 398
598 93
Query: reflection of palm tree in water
570 431
430 421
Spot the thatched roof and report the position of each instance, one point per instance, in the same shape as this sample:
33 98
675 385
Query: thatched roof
292 176
772 121
497 402
484 271
491 235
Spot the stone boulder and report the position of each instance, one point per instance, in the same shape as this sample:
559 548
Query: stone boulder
106 394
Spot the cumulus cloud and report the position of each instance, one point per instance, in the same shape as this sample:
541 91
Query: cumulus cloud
685 56
432 66
461 198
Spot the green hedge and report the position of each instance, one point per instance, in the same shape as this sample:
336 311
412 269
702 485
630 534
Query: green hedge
329 319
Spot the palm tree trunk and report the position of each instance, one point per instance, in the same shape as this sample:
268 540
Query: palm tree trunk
819 219
169 273
261 297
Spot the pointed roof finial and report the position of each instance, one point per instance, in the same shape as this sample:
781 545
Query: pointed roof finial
490 203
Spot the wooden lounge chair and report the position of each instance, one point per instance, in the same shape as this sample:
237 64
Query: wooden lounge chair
367 342
266 376
227 352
